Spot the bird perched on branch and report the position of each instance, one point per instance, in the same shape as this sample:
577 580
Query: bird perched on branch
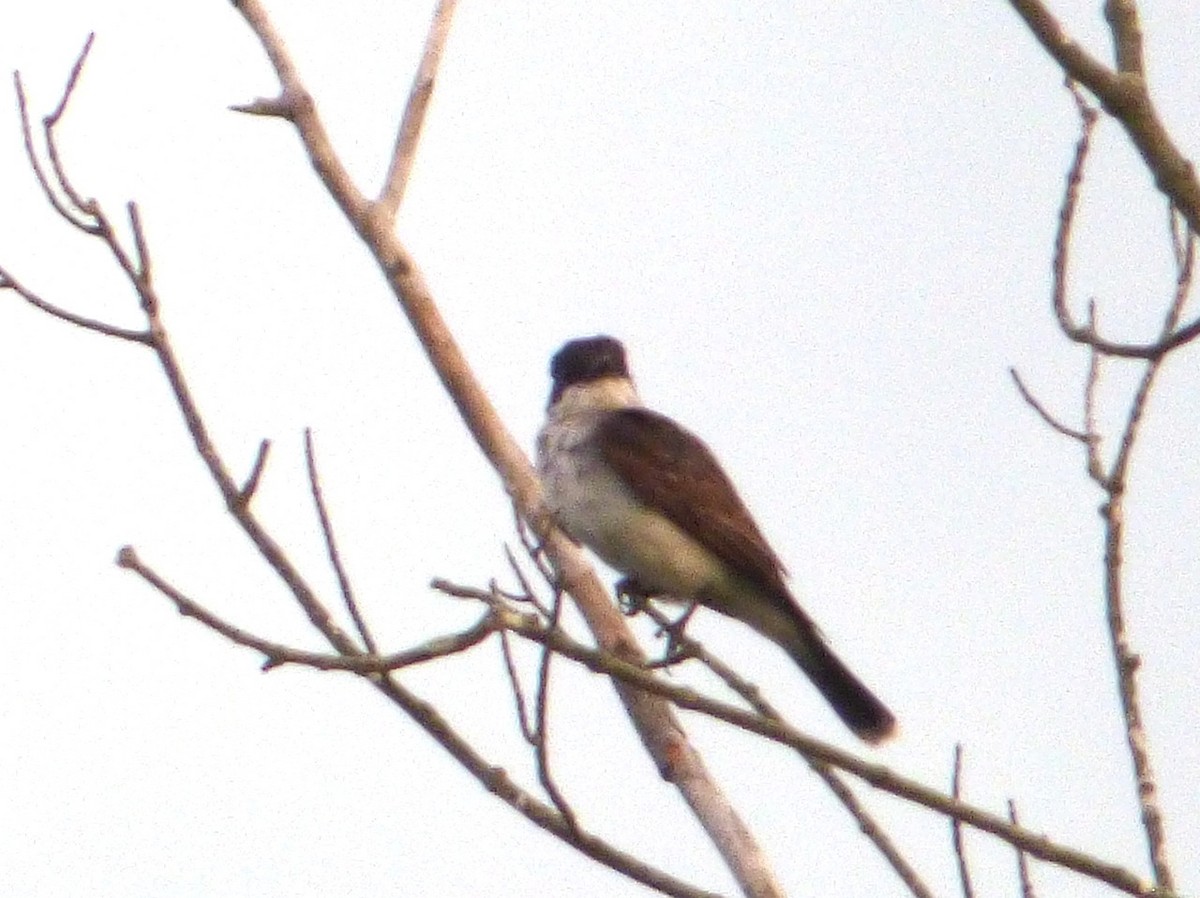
650 499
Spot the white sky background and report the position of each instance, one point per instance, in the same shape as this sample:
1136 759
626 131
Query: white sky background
824 234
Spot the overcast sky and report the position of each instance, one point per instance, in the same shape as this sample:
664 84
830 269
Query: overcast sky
823 232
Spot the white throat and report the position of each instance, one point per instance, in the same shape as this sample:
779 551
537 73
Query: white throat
604 394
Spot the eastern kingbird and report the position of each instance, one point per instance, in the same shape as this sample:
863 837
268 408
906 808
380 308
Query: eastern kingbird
651 500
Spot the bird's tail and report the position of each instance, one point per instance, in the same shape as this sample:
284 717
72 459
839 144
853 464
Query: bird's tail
853 702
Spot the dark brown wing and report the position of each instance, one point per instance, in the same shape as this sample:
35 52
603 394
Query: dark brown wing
673 471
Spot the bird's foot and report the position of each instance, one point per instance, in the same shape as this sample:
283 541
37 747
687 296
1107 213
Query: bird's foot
677 647
632 596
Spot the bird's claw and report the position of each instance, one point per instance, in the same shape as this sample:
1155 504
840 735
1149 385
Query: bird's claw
632 596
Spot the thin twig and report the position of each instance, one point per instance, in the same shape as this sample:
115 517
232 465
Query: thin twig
9 282
279 655
78 216
409 133
1180 235
143 269
50 122
956 828
527 594
530 627
1066 217
331 547
541 744
528 730
1095 459
1037 406
1087 334
1022 860
493 778
250 486
1125 659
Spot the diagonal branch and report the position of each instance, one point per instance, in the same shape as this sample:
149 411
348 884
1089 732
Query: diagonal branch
1170 338
654 719
278 655
876 775
687 647
956 829
9 282
405 153
370 666
1127 39
1125 659
1123 94
137 271
331 547
1053 422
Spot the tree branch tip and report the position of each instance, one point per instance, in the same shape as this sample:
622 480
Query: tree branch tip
272 107
250 487
127 558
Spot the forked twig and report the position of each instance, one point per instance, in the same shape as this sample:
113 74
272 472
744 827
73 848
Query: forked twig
89 216
1124 93
1037 845
1112 478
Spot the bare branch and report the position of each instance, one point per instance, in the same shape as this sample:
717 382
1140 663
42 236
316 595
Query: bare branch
536 731
405 153
80 211
331 548
1123 94
1125 659
71 217
1087 334
1066 218
1075 61
527 593
143 269
518 691
8 282
1179 235
1034 404
1183 285
250 487
282 106
654 719
875 774
541 744
956 828
530 627
492 777
278 654
1122 16
1022 860
692 648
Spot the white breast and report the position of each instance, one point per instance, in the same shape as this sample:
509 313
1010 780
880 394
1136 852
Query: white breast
596 508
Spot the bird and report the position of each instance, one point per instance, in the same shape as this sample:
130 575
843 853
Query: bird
652 501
